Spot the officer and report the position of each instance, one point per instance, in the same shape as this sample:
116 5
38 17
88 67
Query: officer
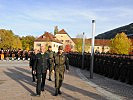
32 60
60 62
51 61
40 68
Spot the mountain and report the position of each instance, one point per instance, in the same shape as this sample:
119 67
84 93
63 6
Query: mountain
128 29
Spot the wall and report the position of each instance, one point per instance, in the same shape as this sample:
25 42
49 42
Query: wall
53 44
65 37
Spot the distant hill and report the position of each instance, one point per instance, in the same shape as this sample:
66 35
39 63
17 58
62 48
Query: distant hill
128 29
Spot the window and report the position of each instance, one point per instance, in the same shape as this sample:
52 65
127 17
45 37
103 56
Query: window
46 45
71 46
54 45
67 40
38 44
57 46
43 36
61 40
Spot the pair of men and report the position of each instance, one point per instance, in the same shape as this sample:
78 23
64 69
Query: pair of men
42 61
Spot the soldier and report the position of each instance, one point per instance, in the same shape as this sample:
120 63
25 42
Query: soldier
7 54
2 55
19 54
51 61
40 68
32 60
13 54
24 55
60 62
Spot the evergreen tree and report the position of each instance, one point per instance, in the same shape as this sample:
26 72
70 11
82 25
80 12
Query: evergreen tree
56 30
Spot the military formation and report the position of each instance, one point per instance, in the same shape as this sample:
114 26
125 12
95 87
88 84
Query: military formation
14 54
117 67
43 60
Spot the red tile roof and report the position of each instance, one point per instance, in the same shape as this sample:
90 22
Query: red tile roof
98 42
62 32
47 37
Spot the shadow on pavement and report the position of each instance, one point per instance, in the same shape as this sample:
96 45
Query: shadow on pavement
84 92
66 96
23 70
18 75
20 78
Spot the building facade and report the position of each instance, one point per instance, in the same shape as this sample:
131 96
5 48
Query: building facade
67 41
100 45
47 39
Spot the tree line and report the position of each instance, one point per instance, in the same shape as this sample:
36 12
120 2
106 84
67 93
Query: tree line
8 40
120 44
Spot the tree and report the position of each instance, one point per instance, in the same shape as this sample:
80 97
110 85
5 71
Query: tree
17 43
79 42
56 30
9 40
27 42
120 44
67 48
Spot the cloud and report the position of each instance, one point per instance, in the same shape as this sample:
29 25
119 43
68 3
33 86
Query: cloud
75 17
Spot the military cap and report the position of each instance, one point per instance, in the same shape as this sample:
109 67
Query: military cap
49 46
60 48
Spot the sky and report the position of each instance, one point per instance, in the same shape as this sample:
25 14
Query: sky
34 17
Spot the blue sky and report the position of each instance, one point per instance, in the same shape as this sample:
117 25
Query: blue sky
33 17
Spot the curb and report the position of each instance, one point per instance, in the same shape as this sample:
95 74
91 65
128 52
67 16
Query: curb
108 95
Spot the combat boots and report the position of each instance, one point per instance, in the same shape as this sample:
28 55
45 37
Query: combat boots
56 92
59 92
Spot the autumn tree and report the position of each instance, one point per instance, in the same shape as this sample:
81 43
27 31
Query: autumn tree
120 44
79 42
67 48
9 40
27 42
17 43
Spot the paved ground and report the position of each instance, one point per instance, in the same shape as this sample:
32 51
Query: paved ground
118 89
16 84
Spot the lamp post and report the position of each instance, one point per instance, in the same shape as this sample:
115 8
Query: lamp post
92 49
83 47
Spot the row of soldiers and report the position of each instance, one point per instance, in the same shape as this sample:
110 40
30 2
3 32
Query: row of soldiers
44 60
117 67
14 54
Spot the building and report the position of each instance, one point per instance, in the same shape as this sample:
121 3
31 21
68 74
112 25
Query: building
101 45
67 41
47 39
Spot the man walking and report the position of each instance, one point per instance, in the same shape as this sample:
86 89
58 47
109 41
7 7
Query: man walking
32 60
61 61
40 67
51 61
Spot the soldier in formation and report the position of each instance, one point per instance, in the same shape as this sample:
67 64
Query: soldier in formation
115 66
14 54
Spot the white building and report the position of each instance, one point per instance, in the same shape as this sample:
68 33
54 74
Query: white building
63 36
47 39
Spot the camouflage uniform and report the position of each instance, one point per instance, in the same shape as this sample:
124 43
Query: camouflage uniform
51 63
61 61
